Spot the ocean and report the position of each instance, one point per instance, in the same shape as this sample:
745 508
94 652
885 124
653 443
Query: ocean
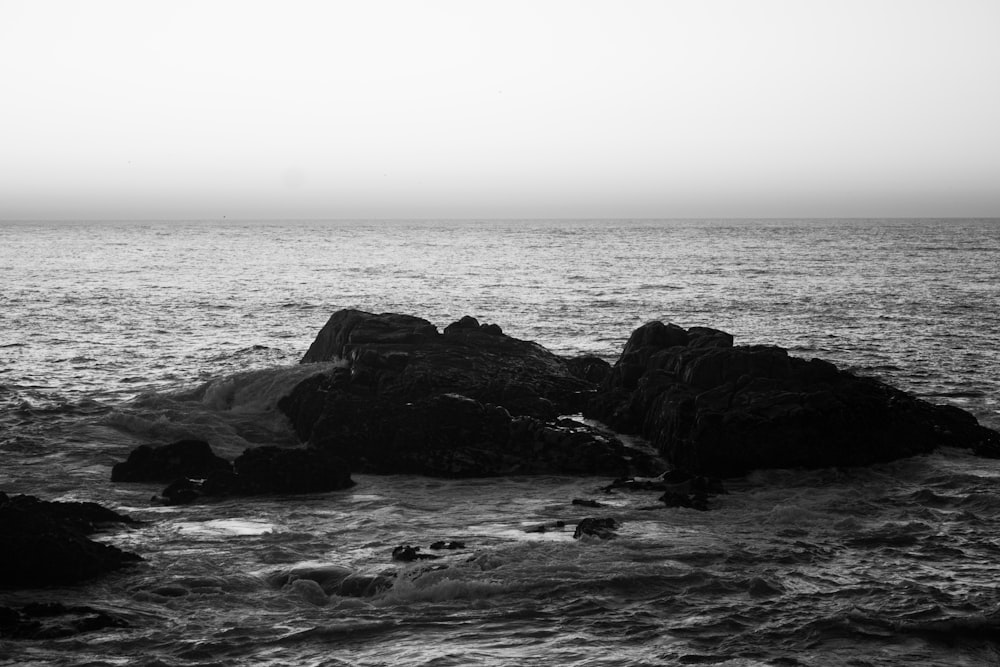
116 334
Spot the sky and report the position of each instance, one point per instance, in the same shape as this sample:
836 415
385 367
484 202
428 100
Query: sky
487 109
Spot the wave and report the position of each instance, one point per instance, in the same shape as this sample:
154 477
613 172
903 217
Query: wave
231 412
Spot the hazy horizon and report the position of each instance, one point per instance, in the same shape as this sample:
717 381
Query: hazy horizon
458 110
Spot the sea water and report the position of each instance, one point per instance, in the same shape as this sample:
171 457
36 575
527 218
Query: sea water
123 333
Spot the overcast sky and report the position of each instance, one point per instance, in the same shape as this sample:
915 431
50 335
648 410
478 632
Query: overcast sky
431 108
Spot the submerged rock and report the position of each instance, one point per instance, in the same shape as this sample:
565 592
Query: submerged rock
714 409
333 580
45 543
471 401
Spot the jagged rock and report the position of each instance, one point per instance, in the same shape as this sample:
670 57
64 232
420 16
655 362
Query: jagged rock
185 458
590 368
714 409
469 402
405 358
45 543
603 528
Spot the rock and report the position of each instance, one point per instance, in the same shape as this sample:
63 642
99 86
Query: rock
45 543
54 620
717 410
583 502
407 554
469 402
450 545
185 458
468 359
603 528
590 368
695 500
265 470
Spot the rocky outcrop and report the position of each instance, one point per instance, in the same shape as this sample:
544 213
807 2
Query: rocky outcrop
712 408
471 401
404 358
184 458
45 543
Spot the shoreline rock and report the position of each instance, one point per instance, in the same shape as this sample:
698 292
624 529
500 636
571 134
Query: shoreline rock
472 401
714 409
46 543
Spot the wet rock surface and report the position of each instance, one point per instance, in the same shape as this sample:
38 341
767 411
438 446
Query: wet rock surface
184 458
715 409
470 401
264 471
603 528
45 543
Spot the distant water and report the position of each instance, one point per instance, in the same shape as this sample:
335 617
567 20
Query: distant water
116 334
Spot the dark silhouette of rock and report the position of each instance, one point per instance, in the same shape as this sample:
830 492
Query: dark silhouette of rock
603 528
714 409
45 543
467 402
407 553
54 620
450 545
590 368
584 502
404 357
185 458
265 470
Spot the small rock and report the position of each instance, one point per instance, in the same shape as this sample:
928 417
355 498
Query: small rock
407 554
448 545
603 528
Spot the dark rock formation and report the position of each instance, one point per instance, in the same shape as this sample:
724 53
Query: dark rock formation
185 458
405 357
45 543
714 409
590 368
54 620
265 470
407 554
603 528
467 402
